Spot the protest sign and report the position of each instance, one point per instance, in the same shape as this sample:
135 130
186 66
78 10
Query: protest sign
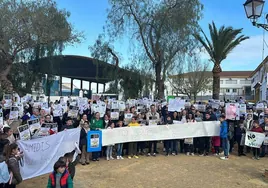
114 115
36 159
34 126
254 139
57 111
44 130
121 106
128 116
176 105
14 113
73 111
232 111
201 108
115 105
54 127
8 101
24 132
260 106
243 109
153 122
94 141
1 118
164 132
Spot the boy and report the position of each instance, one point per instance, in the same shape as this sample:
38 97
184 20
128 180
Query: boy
60 176
70 163
224 137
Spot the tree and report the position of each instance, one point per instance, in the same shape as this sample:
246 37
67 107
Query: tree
222 42
163 28
30 29
192 80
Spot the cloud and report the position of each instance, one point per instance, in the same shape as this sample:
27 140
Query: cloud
246 56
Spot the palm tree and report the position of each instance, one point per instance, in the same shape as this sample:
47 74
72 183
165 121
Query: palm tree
222 42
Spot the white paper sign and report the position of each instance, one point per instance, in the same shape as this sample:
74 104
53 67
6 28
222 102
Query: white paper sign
1 118
260 106
176 105
14 113
115 105
73 111
243 109
121 106
57 112
254 139
42 153
34 126
114 115
232 111
24 132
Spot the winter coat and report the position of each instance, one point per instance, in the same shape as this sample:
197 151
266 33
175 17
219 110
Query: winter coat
224 130
13 166
65 180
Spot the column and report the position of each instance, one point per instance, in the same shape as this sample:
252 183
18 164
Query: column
72 80
81 84
104 88
60 86
97 87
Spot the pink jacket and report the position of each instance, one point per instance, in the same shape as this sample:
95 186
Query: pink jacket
216 140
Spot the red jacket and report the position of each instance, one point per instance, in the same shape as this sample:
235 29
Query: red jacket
257 130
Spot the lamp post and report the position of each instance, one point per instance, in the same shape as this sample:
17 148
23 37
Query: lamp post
253 9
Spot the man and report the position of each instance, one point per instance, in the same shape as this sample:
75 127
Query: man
152 115
69 124
204 141
35 114
224 137
264 127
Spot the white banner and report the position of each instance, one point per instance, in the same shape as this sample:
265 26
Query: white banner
160 132
41 154
254 139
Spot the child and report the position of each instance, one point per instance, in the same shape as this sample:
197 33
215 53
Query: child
256 128
216 141
189 142
224 137
240 137
60 174
70 164
132 146
109 150
119 146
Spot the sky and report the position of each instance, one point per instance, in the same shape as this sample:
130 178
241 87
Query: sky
89 16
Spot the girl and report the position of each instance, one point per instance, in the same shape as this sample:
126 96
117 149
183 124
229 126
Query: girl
216 141
109 150
240 133
119 146
175 116
60 178
83 143
258 129
189 142
106 121
13 155
132 146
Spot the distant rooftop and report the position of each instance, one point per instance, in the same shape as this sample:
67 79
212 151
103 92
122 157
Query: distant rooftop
224 74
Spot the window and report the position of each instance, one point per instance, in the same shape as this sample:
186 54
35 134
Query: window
234 90
221 82
231 81
227 90
245 82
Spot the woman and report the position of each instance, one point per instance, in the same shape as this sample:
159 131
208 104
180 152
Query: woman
175 116
96 124
83 143
13 155
256 128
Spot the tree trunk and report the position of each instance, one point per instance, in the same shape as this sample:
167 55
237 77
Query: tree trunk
159 85
195 94
6 84
216 81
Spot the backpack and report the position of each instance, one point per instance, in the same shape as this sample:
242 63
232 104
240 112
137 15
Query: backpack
4 173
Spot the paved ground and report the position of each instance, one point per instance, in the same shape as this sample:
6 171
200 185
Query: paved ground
173 171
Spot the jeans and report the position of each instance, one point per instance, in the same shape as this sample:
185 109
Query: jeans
182 145
189 148
132 148
168 147
119 149
175 146
141 146
256 152
240 148
204 145
225 146
154 145
263 150
109 151
95 155
217 149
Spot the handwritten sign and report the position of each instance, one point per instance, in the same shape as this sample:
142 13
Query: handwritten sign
254 139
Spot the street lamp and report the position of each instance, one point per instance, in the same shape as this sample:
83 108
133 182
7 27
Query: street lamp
253 9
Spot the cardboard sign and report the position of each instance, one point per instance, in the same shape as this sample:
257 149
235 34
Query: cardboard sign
201 108
24 132
254 139
114 115
94 141
34 126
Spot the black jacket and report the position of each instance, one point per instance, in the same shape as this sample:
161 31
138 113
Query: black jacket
83 138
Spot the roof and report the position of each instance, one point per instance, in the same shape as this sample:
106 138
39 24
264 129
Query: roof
78 67
259 67
228 74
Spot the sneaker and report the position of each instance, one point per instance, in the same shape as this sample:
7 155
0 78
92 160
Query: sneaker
129 157
117 157
216 154
154 154
167 154
173 154
87 163
224 158
164 149
254 158
93 159
192 154
188 153
148 154
201 155
121 157
135 156
111 158
258 158
107 158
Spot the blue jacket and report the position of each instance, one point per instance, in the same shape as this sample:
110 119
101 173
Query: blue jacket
224 130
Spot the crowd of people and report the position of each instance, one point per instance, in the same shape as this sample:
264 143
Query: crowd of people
231 132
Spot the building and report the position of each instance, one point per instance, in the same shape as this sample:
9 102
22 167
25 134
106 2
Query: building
233 84
259 81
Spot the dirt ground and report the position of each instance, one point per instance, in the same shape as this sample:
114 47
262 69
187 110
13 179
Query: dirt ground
172 171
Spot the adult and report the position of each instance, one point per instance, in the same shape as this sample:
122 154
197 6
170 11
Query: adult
204 141
68 124
96 124
36 114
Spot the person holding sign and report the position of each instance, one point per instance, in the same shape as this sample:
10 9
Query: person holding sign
256 128
224 137
69 124
132 146
96 124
